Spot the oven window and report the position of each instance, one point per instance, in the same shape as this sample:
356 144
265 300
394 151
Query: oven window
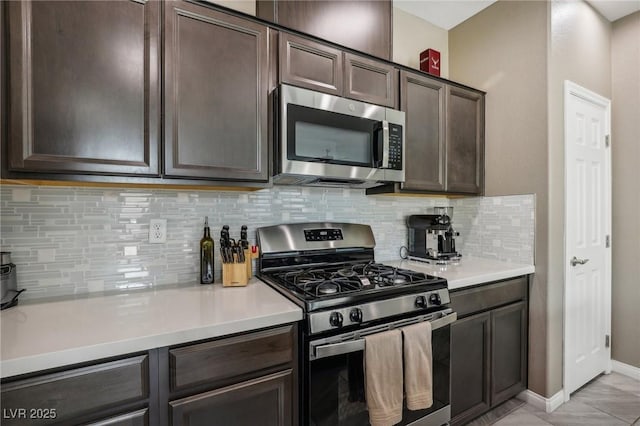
328 137
336 387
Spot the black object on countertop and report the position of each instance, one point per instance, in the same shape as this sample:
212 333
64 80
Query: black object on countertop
206 255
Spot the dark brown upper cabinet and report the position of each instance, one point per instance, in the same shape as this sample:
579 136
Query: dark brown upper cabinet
324 68
444 137
465 141
422 100
215 88
84 89
363 25
311 65
370 81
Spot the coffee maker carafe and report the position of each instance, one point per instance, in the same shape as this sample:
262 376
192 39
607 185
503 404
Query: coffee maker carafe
432 238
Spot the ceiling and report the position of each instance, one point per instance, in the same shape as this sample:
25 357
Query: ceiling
615 9
449 13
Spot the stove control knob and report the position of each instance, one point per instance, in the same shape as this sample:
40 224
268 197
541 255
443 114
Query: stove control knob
356 315
421 302
335 319
434 299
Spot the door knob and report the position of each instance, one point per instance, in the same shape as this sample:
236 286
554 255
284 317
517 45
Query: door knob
575 261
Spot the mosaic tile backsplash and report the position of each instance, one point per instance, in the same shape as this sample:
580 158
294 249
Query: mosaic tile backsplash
69 241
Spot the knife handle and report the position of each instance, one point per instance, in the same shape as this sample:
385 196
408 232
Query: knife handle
243 237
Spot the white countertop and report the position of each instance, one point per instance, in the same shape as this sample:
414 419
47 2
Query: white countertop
39 336
470 271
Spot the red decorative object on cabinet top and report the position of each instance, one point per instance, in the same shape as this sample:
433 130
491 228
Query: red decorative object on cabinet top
430 61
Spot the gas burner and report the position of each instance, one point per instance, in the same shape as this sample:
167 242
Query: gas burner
347 272
399 280
327 288
389 279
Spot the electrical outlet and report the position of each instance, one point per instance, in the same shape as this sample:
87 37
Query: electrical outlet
158 231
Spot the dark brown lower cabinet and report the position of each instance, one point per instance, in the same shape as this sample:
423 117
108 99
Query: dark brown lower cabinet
470 364
116 392
136 418
509 351
488 347
246 379
263 401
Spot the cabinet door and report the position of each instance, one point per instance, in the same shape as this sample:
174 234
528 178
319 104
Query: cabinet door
509 351
308 64
264 401
422 99
465 141
470 362
84 86
216 76
370 81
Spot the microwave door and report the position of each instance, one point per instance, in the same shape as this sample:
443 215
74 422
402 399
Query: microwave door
328 137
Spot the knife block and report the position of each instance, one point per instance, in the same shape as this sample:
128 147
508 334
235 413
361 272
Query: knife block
238 274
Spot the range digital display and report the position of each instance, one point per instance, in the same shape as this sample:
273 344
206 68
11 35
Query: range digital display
323 234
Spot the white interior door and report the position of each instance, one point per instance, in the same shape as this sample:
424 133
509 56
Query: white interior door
587 253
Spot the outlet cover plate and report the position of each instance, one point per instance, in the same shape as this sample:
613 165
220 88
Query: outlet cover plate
157 231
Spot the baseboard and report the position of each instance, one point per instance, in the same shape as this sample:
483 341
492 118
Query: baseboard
540 402
626 369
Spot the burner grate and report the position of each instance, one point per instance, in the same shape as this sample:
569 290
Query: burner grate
331 280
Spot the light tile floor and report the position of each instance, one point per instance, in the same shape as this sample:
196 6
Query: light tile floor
608 400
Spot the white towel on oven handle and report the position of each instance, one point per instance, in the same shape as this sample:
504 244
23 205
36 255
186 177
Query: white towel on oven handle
418 359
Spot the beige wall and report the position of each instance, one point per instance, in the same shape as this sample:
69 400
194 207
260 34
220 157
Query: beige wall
521 53
503 50
412 35
625 146
580 51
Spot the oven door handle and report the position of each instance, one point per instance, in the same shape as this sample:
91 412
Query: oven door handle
333 349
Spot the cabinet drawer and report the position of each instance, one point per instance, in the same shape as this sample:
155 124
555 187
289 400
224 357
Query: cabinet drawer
481 298
70 394
226 358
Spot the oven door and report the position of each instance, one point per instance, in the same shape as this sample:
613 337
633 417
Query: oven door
336 376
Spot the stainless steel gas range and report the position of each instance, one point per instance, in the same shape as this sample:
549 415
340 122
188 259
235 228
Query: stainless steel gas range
329 270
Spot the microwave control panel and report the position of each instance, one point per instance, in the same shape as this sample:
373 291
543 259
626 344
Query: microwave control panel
395 146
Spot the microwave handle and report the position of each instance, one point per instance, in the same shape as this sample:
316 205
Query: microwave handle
333 349
385 144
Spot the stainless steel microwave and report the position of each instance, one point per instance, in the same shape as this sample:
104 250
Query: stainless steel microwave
326 140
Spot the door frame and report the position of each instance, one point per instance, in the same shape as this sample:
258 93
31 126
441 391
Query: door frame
573 89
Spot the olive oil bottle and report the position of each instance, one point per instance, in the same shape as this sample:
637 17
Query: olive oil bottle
206 255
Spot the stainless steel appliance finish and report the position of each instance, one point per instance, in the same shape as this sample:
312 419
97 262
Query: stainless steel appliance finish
8 281
329 270
376 156
354 341
432 237
280 239
365 313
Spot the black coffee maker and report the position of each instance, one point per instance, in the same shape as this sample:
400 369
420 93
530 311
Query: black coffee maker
432 238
